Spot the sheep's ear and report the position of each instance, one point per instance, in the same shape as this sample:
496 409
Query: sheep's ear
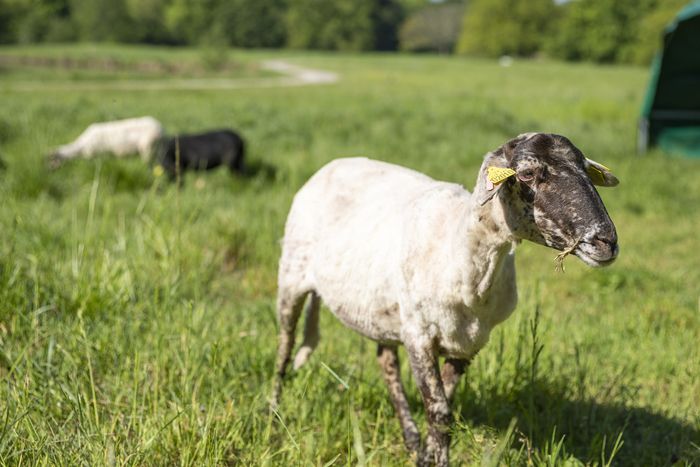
494 178
599 174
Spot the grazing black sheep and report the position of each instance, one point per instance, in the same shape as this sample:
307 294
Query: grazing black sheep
203 151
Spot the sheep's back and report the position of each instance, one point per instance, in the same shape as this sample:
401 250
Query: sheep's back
121 137
344 236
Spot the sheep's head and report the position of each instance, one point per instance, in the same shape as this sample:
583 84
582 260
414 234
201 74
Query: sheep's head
54 160
548 196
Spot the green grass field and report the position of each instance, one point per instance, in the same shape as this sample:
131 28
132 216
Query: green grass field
137 322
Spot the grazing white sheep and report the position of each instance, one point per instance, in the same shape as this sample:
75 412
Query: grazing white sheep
120 138
404 259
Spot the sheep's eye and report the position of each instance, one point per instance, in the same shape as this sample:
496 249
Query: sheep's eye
526 175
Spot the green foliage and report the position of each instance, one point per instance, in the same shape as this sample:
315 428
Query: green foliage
330 25
102 20
214 48
244 23
650 31
606 31
513 27
595 30
609 30
41 20
241 23
8 22
411 6
598 30
432 28
343 24
254 23
137 321
386 17
146 22
189 22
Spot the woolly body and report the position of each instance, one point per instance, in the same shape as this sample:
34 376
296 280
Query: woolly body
396 255
120 138
203 151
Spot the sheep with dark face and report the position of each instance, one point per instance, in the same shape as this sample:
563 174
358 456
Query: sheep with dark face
404 259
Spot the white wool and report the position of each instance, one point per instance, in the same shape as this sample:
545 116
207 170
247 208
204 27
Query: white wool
400 257
120 138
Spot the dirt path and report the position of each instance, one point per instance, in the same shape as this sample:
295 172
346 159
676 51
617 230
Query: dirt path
291 75
299 76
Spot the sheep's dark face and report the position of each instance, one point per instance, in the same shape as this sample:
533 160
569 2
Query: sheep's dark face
551 199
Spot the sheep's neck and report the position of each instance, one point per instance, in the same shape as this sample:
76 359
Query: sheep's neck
490 241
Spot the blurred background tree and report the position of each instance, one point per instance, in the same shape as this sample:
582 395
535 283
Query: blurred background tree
600 30
11 16
343 25
433 28
101 20
320 24
255 23
30 21
649 31
506 27
387 15
146 22
188 22
7 23
622 31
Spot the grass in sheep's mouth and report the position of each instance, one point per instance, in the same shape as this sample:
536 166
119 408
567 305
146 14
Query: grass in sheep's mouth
559 259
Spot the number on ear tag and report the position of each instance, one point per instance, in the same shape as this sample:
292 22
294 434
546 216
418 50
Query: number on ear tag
497 175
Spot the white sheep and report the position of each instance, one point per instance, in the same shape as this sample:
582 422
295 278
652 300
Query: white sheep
404 259
120 138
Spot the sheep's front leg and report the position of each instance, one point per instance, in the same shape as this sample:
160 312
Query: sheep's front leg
424 364
288 311
452 370
389 362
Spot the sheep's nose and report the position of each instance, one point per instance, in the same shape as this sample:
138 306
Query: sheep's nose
606 242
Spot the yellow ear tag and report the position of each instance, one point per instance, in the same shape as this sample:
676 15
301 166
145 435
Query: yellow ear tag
596 175
497 175
158 170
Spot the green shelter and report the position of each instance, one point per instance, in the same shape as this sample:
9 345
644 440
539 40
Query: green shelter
671 113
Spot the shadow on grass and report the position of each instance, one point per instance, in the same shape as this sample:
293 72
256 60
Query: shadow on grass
261 170
589 428
254 171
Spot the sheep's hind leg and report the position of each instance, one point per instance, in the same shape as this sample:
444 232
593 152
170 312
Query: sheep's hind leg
311 334
427 375
452 370
288 311
389 362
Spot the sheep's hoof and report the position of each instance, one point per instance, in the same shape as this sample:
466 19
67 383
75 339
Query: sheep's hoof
411 440
302 356
423 458
54 162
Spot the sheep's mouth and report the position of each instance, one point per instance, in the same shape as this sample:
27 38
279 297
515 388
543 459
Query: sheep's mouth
591 255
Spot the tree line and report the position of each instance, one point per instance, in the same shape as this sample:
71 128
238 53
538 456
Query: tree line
623 31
